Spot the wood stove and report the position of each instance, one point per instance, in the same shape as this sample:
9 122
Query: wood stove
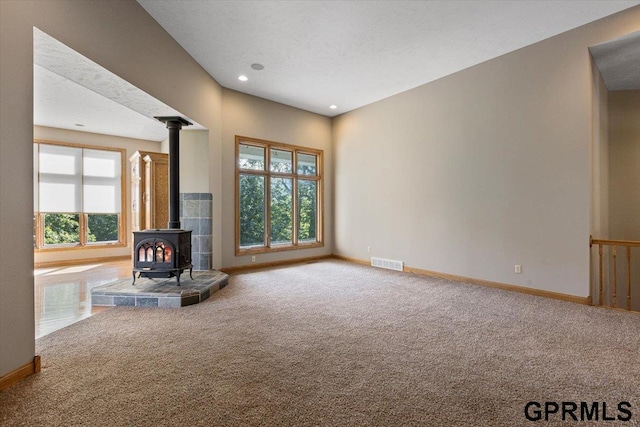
166 252
162 253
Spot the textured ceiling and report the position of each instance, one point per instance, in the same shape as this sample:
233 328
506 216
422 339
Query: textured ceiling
315 54
70 89
619 62
62 103
352 53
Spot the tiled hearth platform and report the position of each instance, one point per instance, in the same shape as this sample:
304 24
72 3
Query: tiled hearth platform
160 292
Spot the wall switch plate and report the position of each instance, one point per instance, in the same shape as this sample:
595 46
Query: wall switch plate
253 258
368 248
518 269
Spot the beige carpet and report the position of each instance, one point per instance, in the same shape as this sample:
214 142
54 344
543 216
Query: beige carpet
333 344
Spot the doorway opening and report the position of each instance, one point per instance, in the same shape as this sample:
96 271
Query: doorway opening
79 105
615 227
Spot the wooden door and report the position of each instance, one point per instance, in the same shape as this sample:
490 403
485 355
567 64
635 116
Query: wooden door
156 190
149 190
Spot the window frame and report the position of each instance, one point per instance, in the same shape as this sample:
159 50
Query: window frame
268 174
39 217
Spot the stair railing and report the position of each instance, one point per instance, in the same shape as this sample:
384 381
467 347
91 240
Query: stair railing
608 282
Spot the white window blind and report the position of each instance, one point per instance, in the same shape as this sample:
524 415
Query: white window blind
73 179
101 181
60 179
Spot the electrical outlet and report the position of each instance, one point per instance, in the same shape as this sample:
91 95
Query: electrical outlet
253 258
368 248
518 269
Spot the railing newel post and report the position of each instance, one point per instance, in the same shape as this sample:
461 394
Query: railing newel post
600 293
628 277
615 279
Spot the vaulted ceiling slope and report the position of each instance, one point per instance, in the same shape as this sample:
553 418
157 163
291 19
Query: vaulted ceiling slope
352 53
619 62
72 92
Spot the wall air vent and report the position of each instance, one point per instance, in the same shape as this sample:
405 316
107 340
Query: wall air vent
389 264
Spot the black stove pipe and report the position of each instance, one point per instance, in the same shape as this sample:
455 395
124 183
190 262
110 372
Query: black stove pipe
174 124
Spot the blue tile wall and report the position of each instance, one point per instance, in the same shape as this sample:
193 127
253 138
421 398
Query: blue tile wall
196 210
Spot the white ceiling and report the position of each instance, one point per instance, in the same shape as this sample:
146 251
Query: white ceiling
315 53
352 53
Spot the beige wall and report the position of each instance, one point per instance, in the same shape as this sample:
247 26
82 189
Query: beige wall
194 161
164 145
481 170
599 172
624 164
97 140
124 39
600 159
254 117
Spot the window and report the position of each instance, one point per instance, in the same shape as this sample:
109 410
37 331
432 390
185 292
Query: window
78 196
278 196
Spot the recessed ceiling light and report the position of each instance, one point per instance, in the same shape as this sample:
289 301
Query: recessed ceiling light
257 66
333 107
243 78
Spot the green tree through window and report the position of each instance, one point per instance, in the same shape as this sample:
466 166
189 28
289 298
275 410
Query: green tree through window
102 228
61 229
281 210
251 210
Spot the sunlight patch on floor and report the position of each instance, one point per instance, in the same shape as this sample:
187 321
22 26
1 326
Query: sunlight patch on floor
75 269
43 271
63 294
